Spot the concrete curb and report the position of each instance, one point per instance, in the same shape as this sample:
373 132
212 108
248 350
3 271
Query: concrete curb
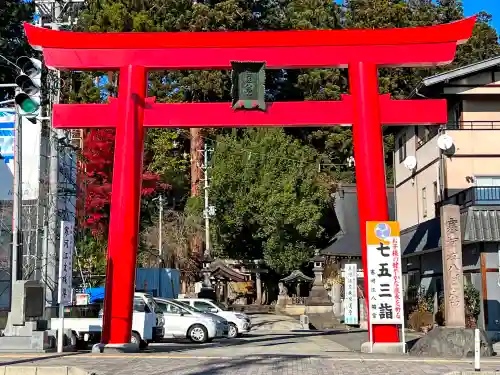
472 373
36 370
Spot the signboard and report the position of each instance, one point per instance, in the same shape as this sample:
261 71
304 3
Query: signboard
385 289
351 294
30 151
66 263
82 299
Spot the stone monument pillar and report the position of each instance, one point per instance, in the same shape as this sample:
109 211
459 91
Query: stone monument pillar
319 307
337 299
451 238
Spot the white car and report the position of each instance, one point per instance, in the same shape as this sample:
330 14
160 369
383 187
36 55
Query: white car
239 323
182 321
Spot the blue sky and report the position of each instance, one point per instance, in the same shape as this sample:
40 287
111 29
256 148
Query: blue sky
491 6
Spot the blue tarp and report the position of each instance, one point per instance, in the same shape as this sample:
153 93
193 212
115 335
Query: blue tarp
159 282
96 294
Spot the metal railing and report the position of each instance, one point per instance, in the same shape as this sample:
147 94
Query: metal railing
473 125
433 130
473 196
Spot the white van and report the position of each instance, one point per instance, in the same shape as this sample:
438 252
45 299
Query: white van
183 321
239 323
147 324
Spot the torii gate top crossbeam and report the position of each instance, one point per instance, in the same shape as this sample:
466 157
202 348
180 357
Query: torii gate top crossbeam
419 46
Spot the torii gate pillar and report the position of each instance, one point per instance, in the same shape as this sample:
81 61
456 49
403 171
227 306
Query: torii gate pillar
134 54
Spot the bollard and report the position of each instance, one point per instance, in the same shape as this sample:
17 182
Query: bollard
477 350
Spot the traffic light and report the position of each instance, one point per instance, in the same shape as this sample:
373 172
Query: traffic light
29 81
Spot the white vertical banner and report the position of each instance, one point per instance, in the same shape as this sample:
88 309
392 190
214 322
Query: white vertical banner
65 292
351 294
67 244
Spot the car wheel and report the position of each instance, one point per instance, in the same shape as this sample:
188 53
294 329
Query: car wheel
233 331
198 334
143 345
135 339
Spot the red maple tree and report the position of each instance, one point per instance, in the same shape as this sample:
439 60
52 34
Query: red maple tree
95 173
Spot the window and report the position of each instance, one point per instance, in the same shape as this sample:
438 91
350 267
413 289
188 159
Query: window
203 306
162 306
487 190
456 116
424 202
411 285
425 134
173 309
402 147
435 186
140 306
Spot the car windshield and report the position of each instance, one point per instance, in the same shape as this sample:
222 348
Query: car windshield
187 306
220 305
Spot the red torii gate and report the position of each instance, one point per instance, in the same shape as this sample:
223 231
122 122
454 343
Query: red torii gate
133 54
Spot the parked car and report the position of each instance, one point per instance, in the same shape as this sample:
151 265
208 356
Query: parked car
182 321
239 323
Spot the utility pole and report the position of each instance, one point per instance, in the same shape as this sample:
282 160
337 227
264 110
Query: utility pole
51 280
17 242
209 211
160 232
207 216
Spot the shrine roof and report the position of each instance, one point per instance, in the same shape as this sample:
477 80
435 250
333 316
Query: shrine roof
347 241
221 270
481 224
297 275
478 224
424 237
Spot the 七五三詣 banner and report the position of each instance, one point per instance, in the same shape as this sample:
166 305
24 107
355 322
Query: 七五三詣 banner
385 289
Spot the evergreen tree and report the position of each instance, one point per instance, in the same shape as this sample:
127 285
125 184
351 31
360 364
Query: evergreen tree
273 208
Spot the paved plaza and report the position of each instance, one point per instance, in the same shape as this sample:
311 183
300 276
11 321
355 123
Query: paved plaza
261 352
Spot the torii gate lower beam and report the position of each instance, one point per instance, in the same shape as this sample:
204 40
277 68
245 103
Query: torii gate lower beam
362 51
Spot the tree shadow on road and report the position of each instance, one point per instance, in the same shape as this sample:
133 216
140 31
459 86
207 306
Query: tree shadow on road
251 339
271 364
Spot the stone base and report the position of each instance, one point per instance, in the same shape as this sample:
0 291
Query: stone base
115 348
321 316
281 301
451 342
38 342
382 347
